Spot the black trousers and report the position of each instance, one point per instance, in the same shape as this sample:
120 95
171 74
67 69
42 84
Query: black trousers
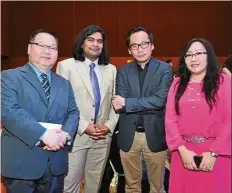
46 184
166 180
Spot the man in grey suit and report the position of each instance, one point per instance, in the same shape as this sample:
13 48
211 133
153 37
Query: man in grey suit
93 81
141 91
40 119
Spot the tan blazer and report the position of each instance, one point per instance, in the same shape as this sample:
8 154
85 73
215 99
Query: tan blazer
78 74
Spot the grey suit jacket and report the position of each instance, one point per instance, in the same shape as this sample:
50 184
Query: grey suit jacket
23 105
77 73
149 102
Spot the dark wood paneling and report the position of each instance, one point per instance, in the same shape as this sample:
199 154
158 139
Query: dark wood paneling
4 31
26 17
130 15
104 14
152 19
108 20
172 23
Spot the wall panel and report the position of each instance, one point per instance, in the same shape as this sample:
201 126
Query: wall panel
24 17
4 31
172 23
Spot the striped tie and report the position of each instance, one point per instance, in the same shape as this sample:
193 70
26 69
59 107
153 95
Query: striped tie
46 85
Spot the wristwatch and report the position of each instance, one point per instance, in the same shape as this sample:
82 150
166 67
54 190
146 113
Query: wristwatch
68 139
213 154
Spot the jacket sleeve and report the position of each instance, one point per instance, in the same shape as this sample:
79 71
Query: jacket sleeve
121 89
222 144
155 102
72 119
64 71
173 136
14 118
113 117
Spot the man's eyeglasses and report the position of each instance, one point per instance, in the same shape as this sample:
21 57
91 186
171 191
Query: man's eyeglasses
44 47
197 55
143 45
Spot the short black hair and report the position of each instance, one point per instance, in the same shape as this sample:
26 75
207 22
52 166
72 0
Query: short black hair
138 29
78 50
35 33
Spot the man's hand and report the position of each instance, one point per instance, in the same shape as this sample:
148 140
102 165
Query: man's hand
63 136
90 129
101 132
118 102
53 139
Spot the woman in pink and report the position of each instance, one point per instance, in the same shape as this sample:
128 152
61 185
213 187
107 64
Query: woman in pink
198 123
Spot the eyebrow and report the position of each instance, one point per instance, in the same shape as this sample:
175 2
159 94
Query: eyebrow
41 42
94 38
141 42
198 49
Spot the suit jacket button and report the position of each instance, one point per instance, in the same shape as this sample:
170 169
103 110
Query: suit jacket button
92 119
93 105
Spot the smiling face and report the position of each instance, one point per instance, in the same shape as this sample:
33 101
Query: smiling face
92 46
141 55
40 54
196 59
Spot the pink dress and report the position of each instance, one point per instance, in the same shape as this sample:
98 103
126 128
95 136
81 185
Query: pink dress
195 120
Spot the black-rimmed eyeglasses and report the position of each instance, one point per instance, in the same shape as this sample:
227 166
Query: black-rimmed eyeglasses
44 47
143 45
189 56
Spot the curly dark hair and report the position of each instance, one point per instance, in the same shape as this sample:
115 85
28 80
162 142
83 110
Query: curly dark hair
211 80
78 51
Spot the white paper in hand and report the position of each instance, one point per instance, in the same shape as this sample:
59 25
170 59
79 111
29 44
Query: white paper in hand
50 125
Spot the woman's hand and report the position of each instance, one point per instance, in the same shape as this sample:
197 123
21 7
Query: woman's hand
187 158
208 162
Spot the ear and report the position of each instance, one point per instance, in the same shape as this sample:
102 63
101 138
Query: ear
152 47
129 51
29 49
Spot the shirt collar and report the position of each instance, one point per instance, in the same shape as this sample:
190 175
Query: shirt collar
38 71
146 66
88 62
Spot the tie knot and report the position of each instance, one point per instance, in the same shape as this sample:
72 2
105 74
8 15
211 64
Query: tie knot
92 65
44 76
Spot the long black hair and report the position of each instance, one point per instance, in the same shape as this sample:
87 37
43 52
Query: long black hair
78 51
210 81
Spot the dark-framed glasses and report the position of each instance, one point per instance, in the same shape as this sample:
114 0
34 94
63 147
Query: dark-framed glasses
44 47
143 45
189 56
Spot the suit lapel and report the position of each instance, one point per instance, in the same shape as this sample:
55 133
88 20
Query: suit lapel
29 74
54 89
83 72
105 80
135 77
152 68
